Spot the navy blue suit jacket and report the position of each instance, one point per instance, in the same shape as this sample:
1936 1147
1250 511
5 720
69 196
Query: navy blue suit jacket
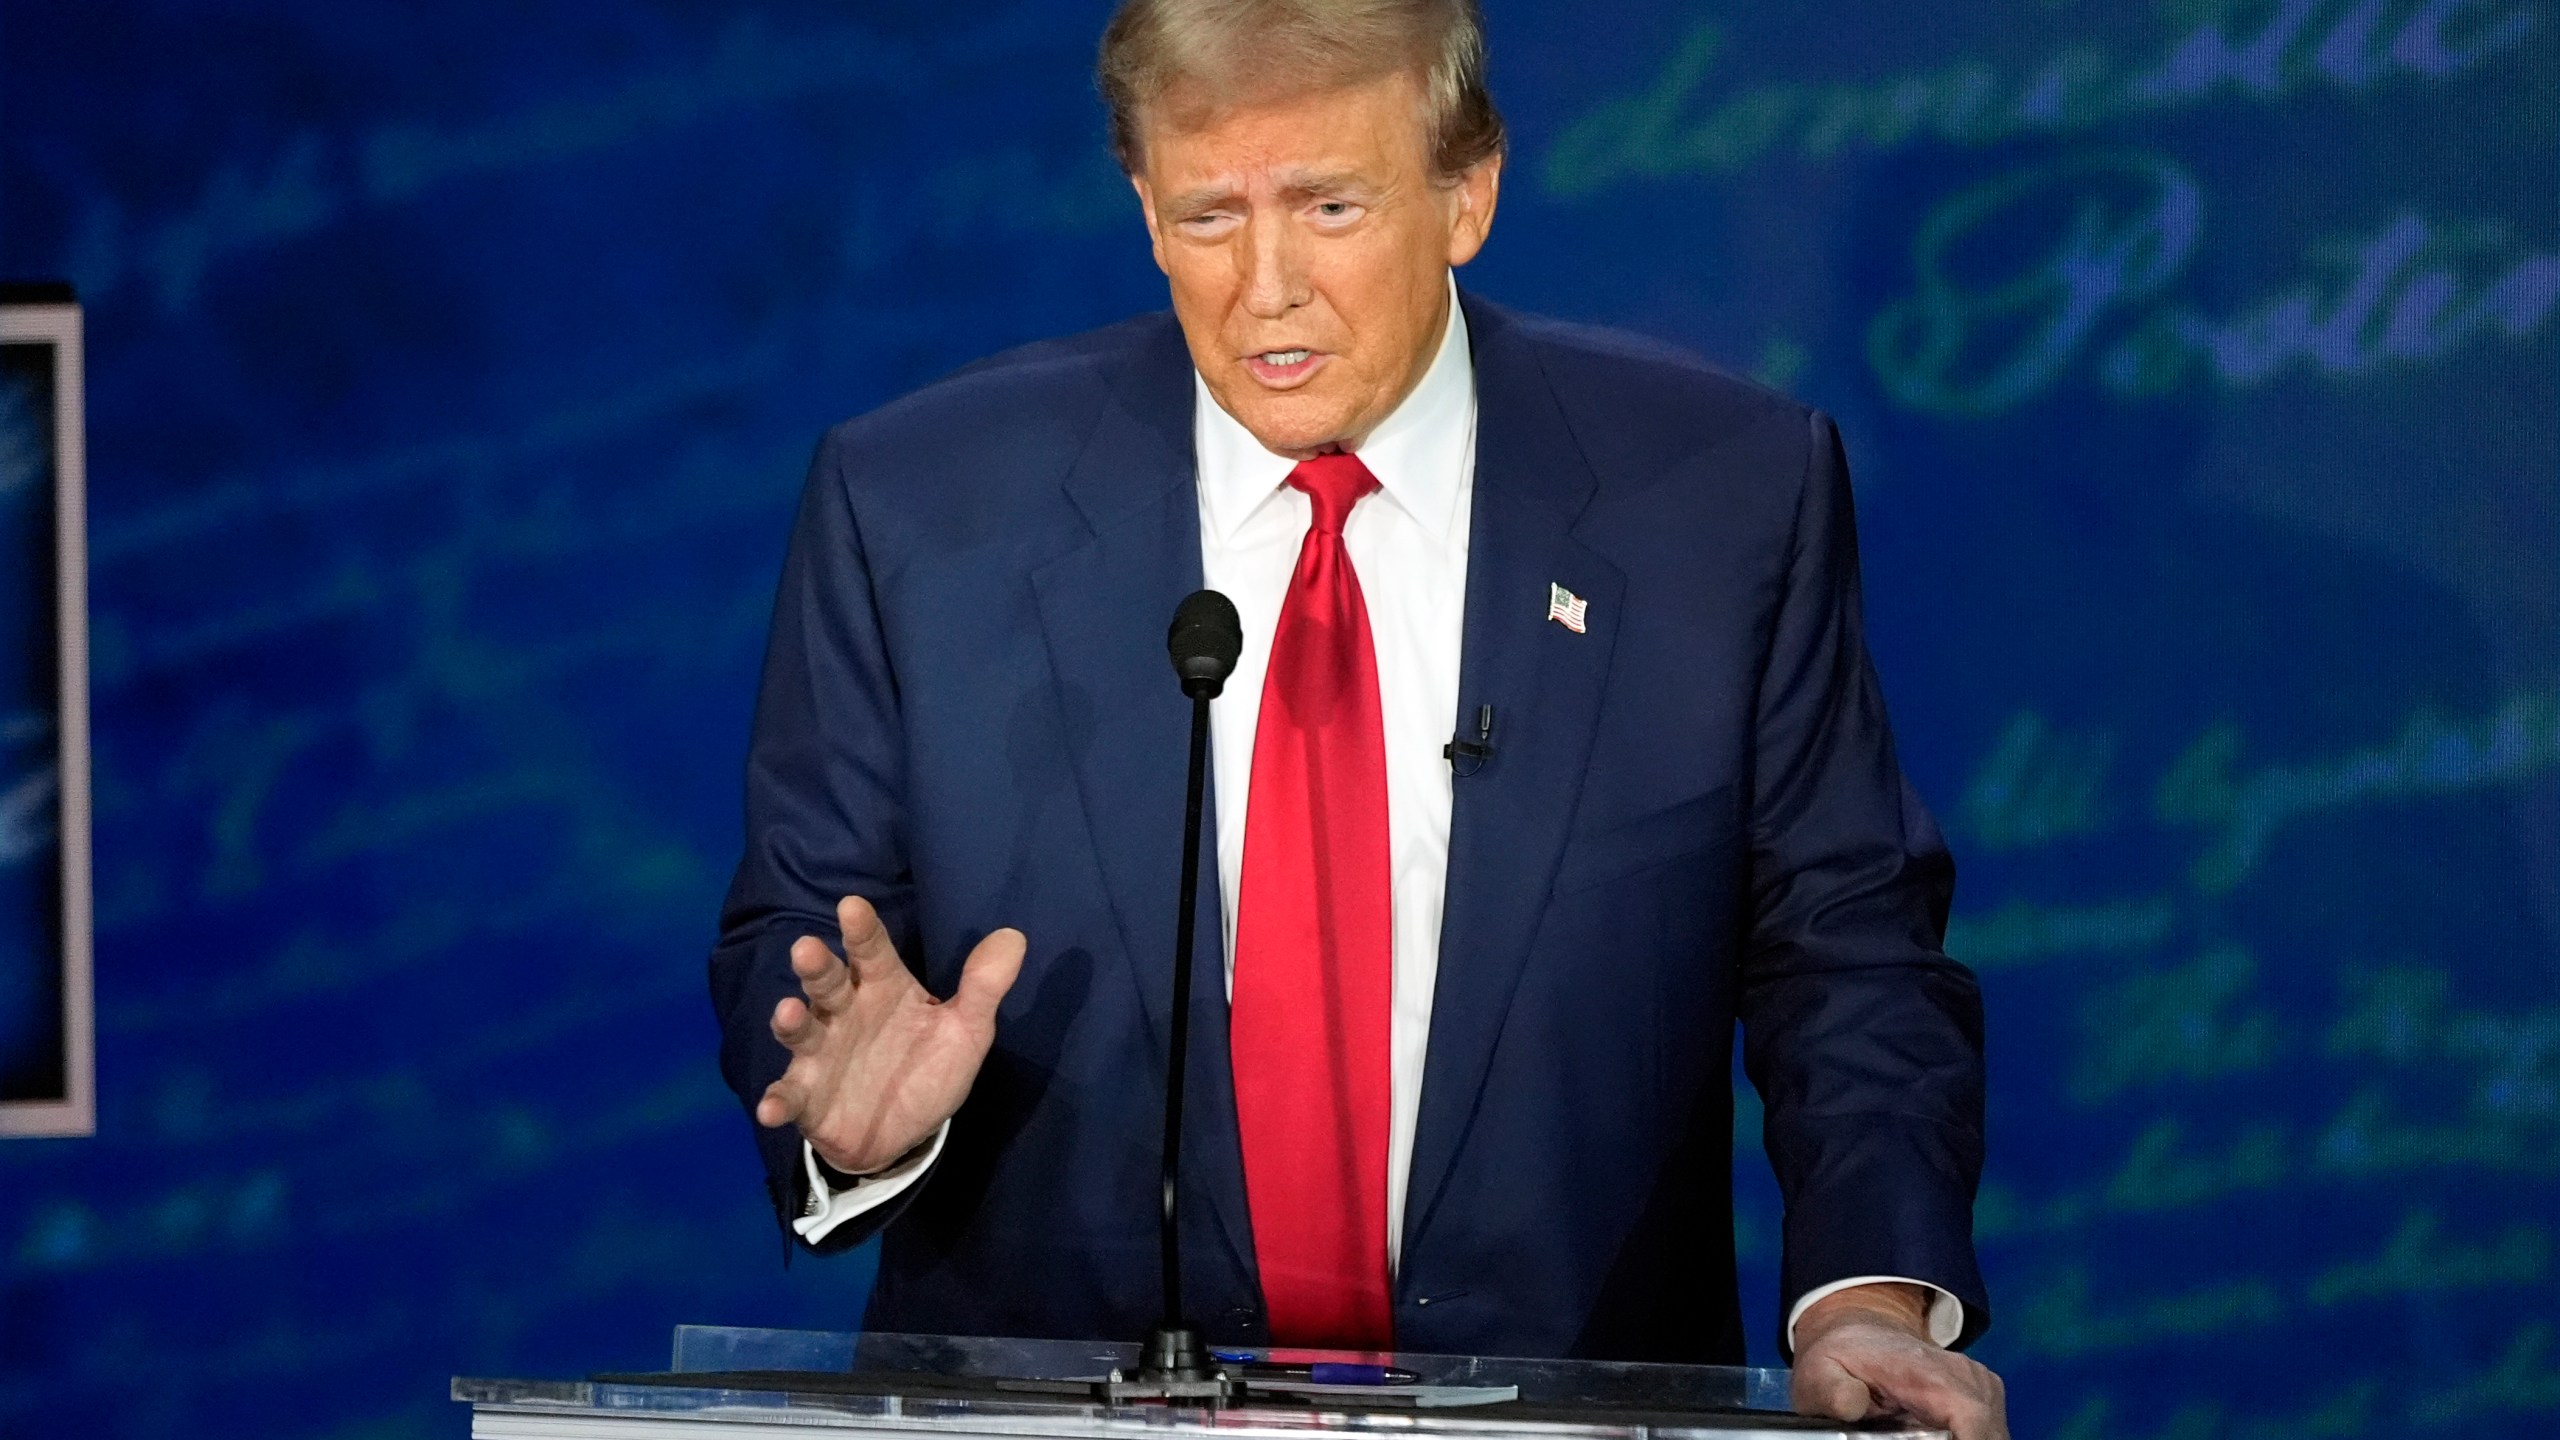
1693 815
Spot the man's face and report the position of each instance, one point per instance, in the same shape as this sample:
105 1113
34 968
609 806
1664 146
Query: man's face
1308 249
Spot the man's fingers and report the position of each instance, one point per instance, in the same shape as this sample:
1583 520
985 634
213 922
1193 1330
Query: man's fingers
1976 1420
823 978
989 972
1958 1394
779 1106
1821 1387
1967 1416
1999 1428
1847 1379
866 941
794 1026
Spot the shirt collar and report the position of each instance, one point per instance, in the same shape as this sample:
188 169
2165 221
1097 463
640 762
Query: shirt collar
1419 452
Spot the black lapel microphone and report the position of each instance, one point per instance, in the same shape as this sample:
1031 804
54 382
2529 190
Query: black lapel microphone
1466 757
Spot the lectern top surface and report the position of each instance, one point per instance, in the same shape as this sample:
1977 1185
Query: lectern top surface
756 1384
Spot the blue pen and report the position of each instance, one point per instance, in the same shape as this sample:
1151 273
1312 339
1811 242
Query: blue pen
1322 1372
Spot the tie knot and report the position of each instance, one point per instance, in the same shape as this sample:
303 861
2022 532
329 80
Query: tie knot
1335 483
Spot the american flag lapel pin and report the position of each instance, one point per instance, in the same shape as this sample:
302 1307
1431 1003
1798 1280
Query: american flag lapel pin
1566 608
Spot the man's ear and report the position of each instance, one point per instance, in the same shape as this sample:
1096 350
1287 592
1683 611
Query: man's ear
1473 197
1147 210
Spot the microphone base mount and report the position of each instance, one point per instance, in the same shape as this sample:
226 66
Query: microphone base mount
1175 1367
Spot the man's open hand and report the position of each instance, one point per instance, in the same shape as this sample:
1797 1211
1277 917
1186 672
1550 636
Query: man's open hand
1866 1351
877 1064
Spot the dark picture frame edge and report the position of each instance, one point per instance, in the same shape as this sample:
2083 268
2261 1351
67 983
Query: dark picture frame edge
47 312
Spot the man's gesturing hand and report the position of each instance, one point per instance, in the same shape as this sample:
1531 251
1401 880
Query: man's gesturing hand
877 1064
1866 1351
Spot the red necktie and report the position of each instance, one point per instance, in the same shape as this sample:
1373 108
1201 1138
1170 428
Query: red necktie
1314 957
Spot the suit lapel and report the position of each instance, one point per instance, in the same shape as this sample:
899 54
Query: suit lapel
1103 607
1508 820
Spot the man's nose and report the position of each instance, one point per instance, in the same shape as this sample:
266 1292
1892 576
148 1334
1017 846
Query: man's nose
1275 279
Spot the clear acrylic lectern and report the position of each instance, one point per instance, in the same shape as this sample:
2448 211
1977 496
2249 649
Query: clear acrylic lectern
730 1384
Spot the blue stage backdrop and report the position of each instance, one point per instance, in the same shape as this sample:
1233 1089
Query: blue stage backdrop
453 369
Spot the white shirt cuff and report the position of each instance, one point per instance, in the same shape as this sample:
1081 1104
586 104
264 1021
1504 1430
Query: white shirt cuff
828 1208
1946 1312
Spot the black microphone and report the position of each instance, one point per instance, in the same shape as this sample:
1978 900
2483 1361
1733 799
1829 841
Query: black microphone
1466 757
1204 641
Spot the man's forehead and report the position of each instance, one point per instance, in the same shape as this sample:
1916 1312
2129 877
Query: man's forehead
1293 138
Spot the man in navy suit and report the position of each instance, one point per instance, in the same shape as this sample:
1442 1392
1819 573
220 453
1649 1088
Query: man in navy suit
1554 752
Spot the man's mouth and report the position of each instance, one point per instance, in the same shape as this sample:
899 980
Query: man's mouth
1285 369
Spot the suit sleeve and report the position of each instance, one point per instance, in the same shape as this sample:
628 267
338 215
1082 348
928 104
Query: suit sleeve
1862 1037
825 794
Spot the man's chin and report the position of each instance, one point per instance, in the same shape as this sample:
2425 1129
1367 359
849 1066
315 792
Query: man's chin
1294 429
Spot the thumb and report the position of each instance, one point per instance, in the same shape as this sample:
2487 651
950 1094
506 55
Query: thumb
989 973
1822 1387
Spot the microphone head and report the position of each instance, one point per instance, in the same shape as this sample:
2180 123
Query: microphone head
1205 639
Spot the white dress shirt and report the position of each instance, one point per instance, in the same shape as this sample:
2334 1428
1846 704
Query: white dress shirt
1408 545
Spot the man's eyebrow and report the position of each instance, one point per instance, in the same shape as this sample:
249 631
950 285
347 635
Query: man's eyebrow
1317 184
1203 198
1298 185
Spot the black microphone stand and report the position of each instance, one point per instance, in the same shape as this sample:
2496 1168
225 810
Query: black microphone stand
1176 1364
1175 1350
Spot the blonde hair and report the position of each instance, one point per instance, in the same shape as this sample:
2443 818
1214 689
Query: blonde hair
1235 50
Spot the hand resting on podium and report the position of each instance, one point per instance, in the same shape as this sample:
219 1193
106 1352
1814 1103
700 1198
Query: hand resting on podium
1867 1351
877 1063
